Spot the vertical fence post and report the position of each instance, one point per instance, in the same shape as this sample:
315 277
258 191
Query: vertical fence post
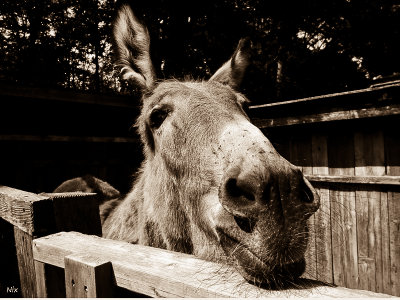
88 277
31 216
34 216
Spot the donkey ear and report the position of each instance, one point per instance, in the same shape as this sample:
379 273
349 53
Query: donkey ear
133 49
231 72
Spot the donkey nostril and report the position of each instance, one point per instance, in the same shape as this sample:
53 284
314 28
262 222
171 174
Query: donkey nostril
246 224
234 190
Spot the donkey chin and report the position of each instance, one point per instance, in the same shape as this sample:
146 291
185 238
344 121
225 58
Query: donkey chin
271 267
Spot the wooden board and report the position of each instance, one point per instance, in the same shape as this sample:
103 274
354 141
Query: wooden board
392 265
392 150
343 216
301 156
76 211
323 215
26 266
88 276
50 281
369 161
394 233
388 110
29 212
350 179
161 273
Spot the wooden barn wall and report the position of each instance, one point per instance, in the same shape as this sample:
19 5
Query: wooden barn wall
49 136
355 240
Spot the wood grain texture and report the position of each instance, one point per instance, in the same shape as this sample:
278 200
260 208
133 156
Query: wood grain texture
301 155
29 212
351 179
386 269
50 281
340 115
87 276
323 215
41 282
76 211
343 216
157 272
330 97
369 161
68 139
394 232
33 93
392 150
26 266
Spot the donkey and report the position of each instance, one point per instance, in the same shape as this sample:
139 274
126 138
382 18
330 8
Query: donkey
211 183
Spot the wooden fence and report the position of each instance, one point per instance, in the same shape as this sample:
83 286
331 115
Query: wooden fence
348 145
73 264
49 136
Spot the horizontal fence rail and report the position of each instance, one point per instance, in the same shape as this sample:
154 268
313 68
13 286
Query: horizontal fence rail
74 264
154 272
382 180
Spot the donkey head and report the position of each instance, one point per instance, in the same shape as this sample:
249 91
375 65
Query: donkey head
213 184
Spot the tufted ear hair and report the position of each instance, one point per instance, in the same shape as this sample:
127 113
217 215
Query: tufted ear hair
132 42
231 72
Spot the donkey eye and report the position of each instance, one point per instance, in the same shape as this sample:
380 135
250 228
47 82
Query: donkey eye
157 117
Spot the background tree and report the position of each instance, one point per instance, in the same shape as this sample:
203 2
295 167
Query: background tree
301 48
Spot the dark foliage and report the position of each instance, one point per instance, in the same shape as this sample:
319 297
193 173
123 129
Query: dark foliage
301 48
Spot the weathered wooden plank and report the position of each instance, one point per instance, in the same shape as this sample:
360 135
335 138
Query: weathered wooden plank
76 211
24 91
366 269
310 255
369 239
36 215
369 153
323 215
157 272
323 234
392 150
350 239
50 281
376 206
319 155
30 212
300 155
394 232
387 110
343 217
31 215
26 266
75 139
87 276
369 180
369 160
41 283
328 97
9 275
337 238
384 219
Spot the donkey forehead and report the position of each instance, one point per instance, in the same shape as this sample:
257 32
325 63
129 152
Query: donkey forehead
195 94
